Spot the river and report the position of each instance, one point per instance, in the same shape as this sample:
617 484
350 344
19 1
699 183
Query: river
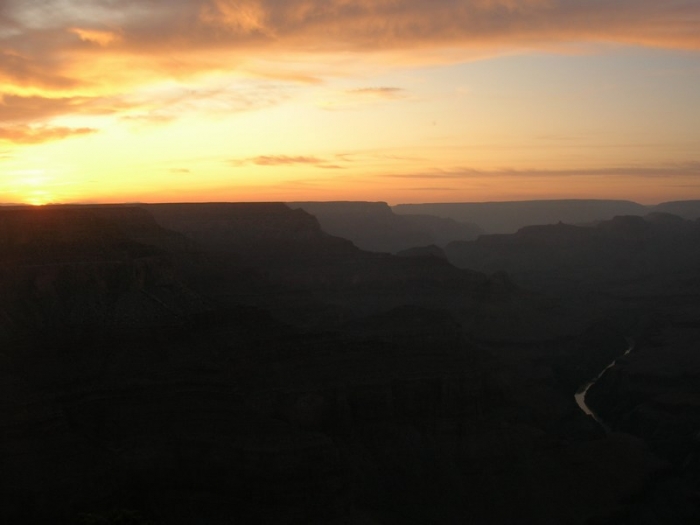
581 394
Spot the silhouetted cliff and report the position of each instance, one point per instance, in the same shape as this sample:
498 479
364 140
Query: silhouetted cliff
83 267
686 209
626 255
375 227
508 217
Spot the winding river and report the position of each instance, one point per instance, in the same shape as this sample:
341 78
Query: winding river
581 394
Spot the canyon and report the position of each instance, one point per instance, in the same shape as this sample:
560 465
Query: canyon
235 362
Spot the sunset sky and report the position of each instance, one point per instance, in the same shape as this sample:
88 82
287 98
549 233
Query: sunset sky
393 100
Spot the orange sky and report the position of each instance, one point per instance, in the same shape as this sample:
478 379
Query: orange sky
395 100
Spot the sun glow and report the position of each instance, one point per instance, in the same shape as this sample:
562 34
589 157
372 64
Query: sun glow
39 198
33 186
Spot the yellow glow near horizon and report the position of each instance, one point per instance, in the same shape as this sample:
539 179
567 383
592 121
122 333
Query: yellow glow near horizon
31 186
39 199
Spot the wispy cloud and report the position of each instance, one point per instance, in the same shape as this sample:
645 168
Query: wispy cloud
149 105
286 160
16 108
96 36
38 134
433 188
164 104
458 173
390 93
359 97
281 160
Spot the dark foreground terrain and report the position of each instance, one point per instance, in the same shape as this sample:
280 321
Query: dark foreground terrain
234 363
